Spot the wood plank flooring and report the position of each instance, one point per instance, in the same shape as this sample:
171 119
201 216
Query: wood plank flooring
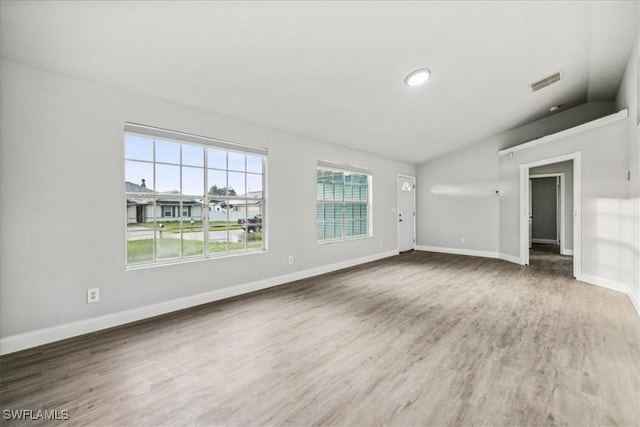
417 339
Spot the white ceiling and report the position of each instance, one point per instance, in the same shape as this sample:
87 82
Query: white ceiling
334 71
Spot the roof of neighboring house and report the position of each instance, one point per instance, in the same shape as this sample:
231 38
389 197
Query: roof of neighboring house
137 202
130 187
257 195
223 203
254 195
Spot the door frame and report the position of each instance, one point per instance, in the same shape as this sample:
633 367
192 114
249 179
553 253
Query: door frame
577 208
413 180
561 232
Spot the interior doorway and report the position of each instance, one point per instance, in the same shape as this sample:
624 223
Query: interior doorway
547 240
561 238
547 209
406 213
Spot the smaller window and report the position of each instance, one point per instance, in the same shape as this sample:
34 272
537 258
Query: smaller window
343 207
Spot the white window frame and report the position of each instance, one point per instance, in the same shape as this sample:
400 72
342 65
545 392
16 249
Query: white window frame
324 165
207 199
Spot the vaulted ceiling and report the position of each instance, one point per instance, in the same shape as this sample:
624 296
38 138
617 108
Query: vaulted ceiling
334 71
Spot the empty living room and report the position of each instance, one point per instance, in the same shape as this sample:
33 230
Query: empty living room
320 213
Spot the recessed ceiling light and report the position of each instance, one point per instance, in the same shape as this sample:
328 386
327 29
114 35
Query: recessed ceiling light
418 77
555 108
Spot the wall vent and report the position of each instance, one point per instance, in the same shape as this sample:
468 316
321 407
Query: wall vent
549 80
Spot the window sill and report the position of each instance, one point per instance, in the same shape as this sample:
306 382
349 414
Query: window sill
144 266
348 239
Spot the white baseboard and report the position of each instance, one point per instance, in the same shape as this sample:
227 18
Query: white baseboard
545 241
635 302
38 337
606 283
614 286
457 251
469 252
511 258
567 252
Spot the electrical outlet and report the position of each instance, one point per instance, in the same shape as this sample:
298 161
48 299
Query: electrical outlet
290 259
462 241
93 295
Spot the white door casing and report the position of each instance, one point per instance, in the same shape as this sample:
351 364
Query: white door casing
406 213
560 212
577 208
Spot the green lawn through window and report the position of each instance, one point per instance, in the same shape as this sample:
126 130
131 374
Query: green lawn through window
139 251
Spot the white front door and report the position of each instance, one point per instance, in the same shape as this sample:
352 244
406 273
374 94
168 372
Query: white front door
406 213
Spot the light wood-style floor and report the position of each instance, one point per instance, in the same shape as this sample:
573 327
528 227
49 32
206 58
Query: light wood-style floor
418 339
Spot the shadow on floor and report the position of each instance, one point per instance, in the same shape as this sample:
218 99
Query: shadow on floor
547 258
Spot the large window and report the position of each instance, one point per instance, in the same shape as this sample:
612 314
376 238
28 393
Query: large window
190 197
343 208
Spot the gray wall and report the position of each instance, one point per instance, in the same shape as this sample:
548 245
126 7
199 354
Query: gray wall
456 200
62 147
629 97
567 169
453 191
604 162
544 210
456 192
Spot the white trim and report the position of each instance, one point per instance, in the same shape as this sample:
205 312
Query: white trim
620 115
38 337
577 208
545 241
577 215
606 283
413 180
524 214
470 252
510 258
344 167
177 136
557 159
634 302
343 239
614 286
457 251
546 175
567 252
561 232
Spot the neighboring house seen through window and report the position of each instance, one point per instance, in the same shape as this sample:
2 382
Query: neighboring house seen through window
343 207
190 197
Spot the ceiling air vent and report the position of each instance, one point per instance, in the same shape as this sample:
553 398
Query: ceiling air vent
540 84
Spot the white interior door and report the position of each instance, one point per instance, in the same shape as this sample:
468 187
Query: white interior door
406 213
530 215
